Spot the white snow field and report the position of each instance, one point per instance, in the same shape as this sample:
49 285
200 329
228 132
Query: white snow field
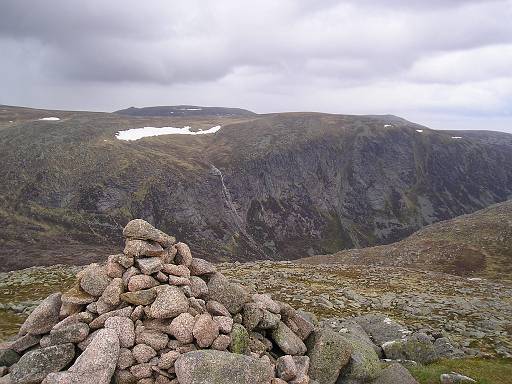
50 118
456 137
139 133
419 130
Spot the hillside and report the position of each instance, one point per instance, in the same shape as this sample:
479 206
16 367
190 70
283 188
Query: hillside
185 110
478 244
275 186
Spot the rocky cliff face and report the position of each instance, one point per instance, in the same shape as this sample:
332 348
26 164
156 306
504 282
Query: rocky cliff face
266 186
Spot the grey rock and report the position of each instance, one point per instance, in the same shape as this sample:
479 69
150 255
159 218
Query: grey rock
155 339
94 280
214 367
149 265
44 317
184 256
288 341
142 297
217 309
167 359
232 295
95 365
328 353
23 343
170 302
100 320
142 248
73 333
35 365
198 287
395 374
252 315
417 347
286 368
364 364
381 328
142 230
8 357
455 378
200 267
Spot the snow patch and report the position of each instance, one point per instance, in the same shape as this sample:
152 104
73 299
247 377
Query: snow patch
387 125
474 279
419 130
10 121
387 320
50 118
191 109
139 133
456 137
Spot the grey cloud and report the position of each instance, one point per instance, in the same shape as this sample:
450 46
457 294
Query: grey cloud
285 55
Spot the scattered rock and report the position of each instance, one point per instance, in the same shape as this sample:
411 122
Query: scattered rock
288 341
170 302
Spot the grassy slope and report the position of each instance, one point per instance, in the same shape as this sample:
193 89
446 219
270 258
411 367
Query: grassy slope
489 371
478 244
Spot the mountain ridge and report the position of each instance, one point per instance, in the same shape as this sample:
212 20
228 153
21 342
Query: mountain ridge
295 184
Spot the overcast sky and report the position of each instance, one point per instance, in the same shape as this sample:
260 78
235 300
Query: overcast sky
442 63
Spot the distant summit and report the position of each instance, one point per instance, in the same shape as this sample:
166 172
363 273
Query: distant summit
185 110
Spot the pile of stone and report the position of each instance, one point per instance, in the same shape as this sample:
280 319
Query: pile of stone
156 315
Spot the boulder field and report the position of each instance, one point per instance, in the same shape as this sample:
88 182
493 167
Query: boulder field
156 315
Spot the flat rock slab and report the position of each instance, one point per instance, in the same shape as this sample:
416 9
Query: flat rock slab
44 317
216 367
95 365
35 365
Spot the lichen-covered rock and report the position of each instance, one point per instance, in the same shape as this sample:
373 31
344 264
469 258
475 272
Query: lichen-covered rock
417 347
364 364
142 297
23 343
395 374
252 315
73 333
142 230
239 339
232 295
169 303
381 328
217 367
44 317
94 280
328 353
288 341
35 365
8 357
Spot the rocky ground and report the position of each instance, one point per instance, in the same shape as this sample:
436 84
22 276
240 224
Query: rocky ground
476 314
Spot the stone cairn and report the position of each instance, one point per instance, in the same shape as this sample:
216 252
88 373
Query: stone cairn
156 315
